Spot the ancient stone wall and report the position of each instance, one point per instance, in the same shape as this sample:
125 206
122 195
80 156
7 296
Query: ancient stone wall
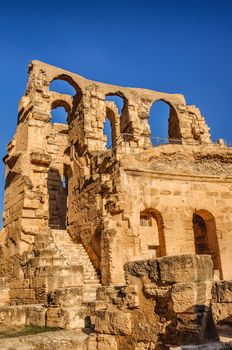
76 214
165 302
112 201
222 302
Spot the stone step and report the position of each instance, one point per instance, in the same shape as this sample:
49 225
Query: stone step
75 254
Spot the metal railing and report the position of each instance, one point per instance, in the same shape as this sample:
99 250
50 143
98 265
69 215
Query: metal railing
125 139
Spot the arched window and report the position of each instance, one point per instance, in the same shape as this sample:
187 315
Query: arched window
64 84
60 111
59 115
62 87
152 233
107 131
115 117
205 237
118 101
57 195
164 123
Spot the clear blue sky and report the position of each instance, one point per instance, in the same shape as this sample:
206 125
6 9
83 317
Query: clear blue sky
181 46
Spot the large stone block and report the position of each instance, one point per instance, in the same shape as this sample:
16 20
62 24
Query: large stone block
66 317
186 296
142 268
224 291
35 315
222 313
113 322
122 296
66 297
185 268
13 315
106 342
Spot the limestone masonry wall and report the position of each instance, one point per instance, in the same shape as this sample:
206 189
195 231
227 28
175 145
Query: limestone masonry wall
76 210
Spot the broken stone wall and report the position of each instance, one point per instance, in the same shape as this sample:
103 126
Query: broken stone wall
222 303
165 302
62 174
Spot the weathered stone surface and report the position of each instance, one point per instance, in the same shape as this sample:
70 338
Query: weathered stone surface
185 296
53 340
65 317
224 291
185 268
113 322
222 313
78 216
66 297
105 342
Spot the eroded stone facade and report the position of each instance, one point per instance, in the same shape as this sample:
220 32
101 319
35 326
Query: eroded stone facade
76 212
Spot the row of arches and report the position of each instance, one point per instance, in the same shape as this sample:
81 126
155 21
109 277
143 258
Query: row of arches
163 120
204 232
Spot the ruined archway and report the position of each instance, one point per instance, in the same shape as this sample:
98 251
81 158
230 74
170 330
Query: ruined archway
205 237
60 111
152 233
120 102
57 199
112 125
164 123
62 86
65 85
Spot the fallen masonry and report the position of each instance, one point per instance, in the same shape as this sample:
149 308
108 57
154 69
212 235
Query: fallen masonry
121 247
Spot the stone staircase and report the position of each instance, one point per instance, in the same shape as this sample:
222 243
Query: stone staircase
75 254
52 287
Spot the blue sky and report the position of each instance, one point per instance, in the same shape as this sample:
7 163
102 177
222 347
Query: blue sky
181 46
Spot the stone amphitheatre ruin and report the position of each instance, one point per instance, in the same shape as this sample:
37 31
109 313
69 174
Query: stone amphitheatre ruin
132 243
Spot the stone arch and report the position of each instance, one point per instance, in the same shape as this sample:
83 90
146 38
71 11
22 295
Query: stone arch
205 237
57 103
114 120
69 80
152 224
174 130
79 93
57 183
123 114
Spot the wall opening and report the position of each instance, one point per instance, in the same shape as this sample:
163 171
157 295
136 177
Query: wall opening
164 123
59 115
64 84
118 101
117 113
205 237
62 87
152 233
57 199
107 131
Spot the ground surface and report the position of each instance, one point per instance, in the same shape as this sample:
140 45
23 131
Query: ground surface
42 340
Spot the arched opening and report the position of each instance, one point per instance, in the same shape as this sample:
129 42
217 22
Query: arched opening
118 101
62 87
65 85
60 111
107 131
164 123
111 128
120 105
152 233
59 115
57 199
205 237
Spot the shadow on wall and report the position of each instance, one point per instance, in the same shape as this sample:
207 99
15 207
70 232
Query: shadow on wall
57 199
205 236
163 121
